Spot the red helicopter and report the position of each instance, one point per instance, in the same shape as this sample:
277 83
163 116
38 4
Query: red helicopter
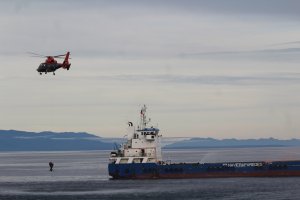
51 65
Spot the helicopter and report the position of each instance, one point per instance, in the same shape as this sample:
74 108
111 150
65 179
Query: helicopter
51 65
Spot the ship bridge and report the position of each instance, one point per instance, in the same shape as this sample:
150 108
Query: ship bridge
142 145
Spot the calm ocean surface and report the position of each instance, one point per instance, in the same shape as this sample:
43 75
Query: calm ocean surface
83 175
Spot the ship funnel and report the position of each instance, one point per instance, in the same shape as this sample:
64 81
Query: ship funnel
130 130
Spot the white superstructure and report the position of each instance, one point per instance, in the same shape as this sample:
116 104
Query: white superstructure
142 146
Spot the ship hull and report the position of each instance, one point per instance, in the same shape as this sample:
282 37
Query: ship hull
207 170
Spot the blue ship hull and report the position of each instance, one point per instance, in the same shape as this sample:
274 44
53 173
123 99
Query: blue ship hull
206 170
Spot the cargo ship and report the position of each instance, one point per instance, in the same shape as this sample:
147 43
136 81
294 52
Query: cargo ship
140 157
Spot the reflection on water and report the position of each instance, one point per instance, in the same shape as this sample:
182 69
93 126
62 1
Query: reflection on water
83 175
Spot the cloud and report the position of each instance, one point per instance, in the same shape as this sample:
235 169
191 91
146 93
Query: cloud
190 55
286 43
237 80
241 7
141 28
283 54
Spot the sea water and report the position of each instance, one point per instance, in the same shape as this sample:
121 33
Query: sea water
84 175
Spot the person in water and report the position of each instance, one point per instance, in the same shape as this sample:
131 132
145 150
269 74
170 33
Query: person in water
51 165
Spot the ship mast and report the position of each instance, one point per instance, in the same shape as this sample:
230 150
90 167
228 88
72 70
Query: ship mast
143 118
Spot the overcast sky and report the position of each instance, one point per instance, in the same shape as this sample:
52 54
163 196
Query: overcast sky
204 68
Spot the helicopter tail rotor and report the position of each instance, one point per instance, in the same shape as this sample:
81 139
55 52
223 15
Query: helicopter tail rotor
66 64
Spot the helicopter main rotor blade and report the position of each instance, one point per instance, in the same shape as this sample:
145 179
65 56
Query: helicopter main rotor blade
57 56
61 58
36 54
43 56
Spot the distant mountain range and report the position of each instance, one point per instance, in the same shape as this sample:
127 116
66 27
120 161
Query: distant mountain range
215 143
12 140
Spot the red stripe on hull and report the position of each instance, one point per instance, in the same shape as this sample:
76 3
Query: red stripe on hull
215 175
